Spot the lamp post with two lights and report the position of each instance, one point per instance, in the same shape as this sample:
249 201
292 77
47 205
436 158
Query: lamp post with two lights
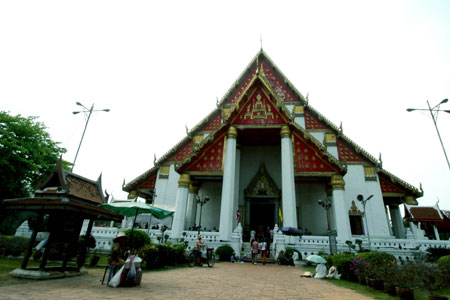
361 199
327 205
434 113
201 201
87 112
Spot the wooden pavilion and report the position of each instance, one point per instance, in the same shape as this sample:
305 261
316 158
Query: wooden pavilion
67 199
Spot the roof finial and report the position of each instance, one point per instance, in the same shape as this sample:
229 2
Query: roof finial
341 129
187 130
154 159
307 100
381 160
217 102
260 40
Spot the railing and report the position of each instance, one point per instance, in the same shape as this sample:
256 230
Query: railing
402 249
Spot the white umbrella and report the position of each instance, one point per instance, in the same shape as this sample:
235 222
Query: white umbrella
316 259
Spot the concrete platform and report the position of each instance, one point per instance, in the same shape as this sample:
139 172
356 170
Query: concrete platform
51 273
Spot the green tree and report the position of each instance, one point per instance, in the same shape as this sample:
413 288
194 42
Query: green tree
27 155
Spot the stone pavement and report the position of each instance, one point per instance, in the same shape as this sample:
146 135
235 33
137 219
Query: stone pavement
225 281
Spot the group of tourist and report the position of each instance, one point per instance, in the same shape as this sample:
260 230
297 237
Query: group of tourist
258 248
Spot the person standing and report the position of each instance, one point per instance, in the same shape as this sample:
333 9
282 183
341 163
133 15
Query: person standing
264 251
255 249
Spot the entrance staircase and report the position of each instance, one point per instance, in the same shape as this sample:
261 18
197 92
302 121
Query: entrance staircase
248 256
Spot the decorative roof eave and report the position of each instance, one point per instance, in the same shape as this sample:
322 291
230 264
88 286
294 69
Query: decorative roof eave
358 149
321 147
199 147
395 180
319 115
286 81
239 80
138 180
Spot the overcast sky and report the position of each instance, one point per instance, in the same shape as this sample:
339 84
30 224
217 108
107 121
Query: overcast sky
160 65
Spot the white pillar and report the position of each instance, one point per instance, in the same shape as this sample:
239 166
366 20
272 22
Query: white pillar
436 232
191 206
417 232
228 183
397 222
339 208
180 206
289 211
236 187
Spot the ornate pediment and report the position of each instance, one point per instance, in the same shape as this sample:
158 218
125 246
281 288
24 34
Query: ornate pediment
258 110
262 185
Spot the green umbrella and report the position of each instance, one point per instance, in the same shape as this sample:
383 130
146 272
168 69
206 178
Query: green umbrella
135 208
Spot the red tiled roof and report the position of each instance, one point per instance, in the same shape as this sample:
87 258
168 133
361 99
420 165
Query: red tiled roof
424 214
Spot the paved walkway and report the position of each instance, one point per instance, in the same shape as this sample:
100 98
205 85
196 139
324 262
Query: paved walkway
225 281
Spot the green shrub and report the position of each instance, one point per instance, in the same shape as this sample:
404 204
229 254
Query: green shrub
161 255
13 245
434 253
224 252
139 240
378 263
444 267
342 262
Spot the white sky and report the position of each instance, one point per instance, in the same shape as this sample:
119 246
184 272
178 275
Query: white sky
159 65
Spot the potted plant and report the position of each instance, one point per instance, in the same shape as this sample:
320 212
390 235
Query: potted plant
389 273
432 280
406 280
375 277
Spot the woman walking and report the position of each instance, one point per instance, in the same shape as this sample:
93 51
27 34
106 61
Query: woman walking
255 249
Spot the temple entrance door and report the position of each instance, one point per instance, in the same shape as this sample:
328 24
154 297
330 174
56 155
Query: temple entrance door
262 215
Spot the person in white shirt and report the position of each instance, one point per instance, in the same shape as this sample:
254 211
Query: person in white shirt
264 251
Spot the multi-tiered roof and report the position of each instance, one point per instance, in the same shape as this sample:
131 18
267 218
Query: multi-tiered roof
284 102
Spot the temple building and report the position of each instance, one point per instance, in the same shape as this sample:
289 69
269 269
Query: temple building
263 158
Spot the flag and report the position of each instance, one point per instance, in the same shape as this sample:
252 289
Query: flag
279 213
238 215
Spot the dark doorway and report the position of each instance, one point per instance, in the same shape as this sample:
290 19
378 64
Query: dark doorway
262 215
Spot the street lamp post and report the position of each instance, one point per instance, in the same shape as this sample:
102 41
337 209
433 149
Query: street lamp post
201 201
364 201
87 112
434 113
327 205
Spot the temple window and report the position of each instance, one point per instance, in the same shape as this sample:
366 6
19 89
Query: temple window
356 225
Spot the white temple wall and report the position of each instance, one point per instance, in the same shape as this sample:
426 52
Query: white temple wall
251 158
356 184
311 214
166 188
211 210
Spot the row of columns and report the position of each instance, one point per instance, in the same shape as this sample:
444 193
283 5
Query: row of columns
184 216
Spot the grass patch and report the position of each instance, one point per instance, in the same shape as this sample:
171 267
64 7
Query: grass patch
419 293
